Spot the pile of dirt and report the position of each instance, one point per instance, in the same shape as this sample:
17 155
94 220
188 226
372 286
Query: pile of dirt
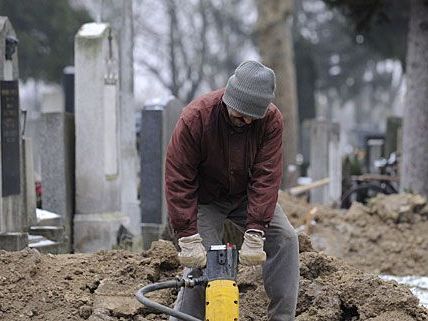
101 286
95 287
296 209
388 236
331 290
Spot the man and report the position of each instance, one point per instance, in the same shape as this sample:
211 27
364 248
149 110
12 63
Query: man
224 160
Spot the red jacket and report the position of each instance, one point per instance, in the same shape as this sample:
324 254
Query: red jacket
210 159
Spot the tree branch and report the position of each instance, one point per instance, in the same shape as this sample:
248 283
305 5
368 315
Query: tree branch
156 72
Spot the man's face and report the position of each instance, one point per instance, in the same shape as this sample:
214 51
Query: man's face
238 119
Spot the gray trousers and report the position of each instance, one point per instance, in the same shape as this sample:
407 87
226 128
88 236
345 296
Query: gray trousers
280 271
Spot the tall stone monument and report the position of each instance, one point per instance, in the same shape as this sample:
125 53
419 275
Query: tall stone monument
157 123
325 160
119 14
13 219
98 194
57 154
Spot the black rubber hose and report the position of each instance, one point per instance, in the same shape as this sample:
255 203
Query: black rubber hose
164 309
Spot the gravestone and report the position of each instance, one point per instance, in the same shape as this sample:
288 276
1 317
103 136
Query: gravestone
52 100
68 89
98 195
13 219
30 201
10 134
375 150
57 155
151 172
118 13
325 161
392 137
157 124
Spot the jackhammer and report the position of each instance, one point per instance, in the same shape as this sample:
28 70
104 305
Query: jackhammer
219 279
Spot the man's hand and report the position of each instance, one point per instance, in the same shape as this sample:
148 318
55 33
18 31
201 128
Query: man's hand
192 253
251 252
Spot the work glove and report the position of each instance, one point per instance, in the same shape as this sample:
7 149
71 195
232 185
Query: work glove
192 253
251 252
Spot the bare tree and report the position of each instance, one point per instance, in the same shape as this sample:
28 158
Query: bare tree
185 38
276 48
415 127
199 45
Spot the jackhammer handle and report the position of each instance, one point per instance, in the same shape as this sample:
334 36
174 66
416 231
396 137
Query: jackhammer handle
164 309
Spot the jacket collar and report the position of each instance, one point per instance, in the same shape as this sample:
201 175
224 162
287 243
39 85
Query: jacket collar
226 118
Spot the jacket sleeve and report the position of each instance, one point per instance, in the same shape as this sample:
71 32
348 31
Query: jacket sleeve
181 182
266 174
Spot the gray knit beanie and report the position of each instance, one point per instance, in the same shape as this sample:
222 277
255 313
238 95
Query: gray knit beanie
250 89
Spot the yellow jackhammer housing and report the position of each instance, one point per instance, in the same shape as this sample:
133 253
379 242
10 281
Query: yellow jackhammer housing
219 279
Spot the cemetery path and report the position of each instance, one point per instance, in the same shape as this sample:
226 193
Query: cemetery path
101 286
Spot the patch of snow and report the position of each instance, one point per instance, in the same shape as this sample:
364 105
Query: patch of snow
42 243
34 238
45 215
45 227
417 284
304 180
92 29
